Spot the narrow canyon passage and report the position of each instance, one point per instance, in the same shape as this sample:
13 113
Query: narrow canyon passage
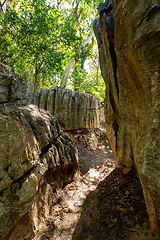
102 204
95 165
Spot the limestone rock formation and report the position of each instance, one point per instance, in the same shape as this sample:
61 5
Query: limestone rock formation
129 52
36 159
13 87
72 109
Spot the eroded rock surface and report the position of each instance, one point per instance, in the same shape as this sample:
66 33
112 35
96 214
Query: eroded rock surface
13 87
129 51
72 109
36 159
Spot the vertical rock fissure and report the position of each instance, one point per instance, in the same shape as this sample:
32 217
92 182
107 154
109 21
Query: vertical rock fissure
114 61
104 31
109 23
106 18
129 52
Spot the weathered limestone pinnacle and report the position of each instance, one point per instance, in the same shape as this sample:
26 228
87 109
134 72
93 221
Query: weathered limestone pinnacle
72 109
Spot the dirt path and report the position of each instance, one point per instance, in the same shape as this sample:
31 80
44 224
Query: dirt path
101 204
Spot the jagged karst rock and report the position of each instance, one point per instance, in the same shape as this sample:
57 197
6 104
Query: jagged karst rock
36 159
13 87
129 52
72 109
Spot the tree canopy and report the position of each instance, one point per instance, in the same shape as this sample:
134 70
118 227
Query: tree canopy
40 38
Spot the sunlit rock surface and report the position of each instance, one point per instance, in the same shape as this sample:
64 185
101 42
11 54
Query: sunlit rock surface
129 52
36 159
72 109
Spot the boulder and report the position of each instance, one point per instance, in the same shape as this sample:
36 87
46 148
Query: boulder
72 109
129 52
36 159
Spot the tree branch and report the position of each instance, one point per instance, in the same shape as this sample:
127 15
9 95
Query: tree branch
87 40
2 4
58 3
67 72
72 62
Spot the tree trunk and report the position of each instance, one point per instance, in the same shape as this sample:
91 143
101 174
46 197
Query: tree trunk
35 80
97 71
72 62
4 68
2 61
1 5
82 65
76 84
66 73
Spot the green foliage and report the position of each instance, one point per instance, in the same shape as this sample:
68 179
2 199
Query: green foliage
42 38
87 83
38 38
90 86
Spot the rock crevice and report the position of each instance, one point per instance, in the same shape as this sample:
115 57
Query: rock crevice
132 109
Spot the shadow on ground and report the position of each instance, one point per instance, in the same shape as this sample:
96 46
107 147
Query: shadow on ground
115 210
103 204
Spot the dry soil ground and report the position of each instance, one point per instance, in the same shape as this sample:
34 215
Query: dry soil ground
103 204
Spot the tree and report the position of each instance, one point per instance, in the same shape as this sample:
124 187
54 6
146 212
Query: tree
72 62
40 38
82 13
90 77
46 40
3 42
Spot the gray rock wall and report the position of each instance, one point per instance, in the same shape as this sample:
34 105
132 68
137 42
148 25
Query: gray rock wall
13 87
72 109
36 159
129 52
